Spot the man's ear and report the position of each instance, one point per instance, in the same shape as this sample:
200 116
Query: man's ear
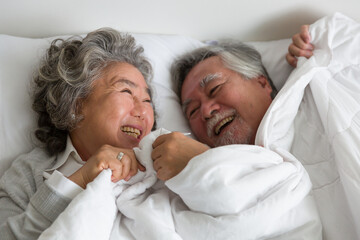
262 80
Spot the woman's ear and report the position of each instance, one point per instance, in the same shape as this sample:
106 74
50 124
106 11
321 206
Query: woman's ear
77 115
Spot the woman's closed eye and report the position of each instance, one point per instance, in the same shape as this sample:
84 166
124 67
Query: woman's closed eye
126 90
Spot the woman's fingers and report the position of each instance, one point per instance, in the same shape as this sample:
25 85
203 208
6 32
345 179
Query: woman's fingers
129 167
141 167
126 166
133 168
122 162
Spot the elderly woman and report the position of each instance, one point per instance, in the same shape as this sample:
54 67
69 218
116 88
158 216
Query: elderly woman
94 105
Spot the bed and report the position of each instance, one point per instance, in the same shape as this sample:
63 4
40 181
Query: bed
23 41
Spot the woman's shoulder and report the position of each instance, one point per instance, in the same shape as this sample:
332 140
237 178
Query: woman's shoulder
24 176
37 156
31 164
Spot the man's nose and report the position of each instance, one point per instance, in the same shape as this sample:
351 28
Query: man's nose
208 109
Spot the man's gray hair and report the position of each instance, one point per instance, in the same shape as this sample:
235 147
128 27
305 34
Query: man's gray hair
66 75
236 56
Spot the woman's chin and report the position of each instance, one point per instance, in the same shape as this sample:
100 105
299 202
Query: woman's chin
128 141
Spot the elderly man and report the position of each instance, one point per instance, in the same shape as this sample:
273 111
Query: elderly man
225 93
218 115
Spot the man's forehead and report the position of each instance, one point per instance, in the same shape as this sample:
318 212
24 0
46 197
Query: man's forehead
206 66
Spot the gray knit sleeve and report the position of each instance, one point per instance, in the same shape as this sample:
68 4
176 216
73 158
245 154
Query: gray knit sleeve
28 205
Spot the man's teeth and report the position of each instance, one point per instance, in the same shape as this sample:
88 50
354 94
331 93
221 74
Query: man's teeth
131 131
222 123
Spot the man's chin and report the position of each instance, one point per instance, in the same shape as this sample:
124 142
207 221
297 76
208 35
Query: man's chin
237 136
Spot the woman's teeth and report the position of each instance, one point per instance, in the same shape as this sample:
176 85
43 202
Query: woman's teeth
222 123
131 131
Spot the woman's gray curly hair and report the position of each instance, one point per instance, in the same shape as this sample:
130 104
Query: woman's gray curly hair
236 56
65 76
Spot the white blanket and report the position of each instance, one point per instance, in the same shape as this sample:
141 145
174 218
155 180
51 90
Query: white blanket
251 192
317 118
232 192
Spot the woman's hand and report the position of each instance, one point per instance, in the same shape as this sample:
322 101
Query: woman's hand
300 47
106 158
172 152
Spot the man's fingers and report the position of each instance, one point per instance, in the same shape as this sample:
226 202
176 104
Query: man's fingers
294 50
299 42
305 34
163 175
298 52
291 60
156 153
160 140
156 165
304 42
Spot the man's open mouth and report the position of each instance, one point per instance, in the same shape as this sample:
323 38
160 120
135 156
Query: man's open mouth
226 121
134 132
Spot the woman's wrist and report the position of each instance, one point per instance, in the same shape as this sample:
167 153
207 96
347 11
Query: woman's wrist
78 179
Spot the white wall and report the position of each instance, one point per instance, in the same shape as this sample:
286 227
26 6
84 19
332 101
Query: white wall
211 19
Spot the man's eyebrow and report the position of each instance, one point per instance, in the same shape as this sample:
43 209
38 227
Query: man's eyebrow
208 78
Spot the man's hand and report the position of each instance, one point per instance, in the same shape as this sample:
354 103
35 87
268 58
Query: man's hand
172 152
300 47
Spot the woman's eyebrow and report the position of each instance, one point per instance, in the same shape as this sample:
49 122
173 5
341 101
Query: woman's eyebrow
124 81
131 84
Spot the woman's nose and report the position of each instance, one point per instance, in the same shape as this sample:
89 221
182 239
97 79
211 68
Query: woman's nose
138 109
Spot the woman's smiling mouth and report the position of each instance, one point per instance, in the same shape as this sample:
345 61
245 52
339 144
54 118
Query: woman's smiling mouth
134 132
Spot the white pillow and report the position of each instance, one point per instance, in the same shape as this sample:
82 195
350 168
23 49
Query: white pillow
20 56
273 57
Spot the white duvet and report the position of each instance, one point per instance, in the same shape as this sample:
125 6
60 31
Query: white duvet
251 192
232 192
317 118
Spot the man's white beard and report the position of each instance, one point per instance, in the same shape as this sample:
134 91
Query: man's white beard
238 133
235 134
